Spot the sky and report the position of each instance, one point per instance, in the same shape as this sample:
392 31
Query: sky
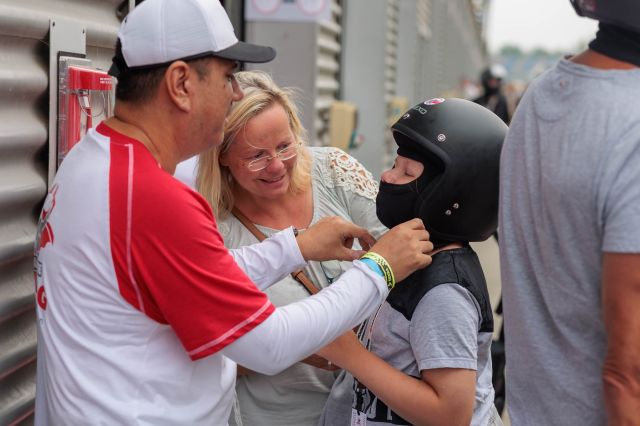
550 24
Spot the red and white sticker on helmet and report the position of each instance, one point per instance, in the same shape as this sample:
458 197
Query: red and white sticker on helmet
434 101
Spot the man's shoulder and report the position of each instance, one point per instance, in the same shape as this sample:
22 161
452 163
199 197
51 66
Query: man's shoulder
154 197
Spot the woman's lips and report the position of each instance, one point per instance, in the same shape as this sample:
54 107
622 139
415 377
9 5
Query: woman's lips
271 181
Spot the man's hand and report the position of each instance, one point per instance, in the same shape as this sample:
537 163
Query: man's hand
405 247
331 238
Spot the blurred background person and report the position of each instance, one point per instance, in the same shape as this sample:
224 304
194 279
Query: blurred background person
492 96
264 174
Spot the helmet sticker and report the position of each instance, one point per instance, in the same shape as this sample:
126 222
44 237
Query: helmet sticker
434 101
407 115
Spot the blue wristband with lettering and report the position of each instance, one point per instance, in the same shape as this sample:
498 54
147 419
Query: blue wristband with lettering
384 266
373 266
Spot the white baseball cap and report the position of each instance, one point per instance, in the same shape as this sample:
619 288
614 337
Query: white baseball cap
158 32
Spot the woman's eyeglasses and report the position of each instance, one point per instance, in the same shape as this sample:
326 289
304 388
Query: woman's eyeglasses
331 269
286 153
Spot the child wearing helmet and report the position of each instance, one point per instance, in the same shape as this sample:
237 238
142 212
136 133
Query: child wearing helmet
432 336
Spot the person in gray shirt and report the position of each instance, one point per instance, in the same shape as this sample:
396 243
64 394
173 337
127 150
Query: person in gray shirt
570 234
431 338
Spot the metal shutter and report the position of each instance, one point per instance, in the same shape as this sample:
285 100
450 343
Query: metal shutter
423 17
24 105
390 77
327 72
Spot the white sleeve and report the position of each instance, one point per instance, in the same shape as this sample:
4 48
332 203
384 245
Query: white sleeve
269 261
297 330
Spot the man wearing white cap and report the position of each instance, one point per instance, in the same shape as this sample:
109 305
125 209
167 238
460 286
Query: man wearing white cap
142 312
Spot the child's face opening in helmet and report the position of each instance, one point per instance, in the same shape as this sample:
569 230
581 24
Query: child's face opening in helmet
456 196
400 189
404 170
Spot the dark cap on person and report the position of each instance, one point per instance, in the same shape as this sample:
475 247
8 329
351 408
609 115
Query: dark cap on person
159 32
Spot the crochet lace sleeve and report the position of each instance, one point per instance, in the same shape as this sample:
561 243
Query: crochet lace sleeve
345 171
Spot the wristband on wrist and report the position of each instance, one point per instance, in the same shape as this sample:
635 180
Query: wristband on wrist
384 267
372 265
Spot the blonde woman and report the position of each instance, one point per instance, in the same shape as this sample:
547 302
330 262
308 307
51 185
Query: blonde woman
265 170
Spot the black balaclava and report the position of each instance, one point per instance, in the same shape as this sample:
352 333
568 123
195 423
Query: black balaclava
618 43
396 204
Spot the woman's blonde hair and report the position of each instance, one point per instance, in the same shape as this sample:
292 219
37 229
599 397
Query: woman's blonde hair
215 181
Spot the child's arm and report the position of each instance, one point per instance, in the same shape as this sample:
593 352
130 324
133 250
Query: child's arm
444 396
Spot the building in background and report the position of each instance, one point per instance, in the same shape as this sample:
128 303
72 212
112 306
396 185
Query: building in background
382 56
370 58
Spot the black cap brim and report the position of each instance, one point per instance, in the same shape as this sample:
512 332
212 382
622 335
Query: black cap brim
241 51
247 52
114 70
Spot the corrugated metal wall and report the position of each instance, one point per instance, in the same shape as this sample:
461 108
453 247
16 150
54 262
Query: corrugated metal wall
24 106
365 75
327 71
455 49
390 77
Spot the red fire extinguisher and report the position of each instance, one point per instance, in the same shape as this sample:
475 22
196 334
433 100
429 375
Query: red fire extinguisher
85 99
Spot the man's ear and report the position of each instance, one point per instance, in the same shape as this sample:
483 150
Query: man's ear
178 81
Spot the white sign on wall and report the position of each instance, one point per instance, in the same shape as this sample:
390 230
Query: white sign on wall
288 10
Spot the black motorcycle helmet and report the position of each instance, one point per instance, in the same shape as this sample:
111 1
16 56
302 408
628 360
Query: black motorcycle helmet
460 143
491 78
622 13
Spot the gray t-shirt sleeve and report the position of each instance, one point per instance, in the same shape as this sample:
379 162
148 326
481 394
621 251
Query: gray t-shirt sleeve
444 329
621 201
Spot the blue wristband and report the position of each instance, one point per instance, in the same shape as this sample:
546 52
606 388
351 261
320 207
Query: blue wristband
373 266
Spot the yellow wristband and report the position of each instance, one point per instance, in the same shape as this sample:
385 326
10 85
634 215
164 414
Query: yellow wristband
384 266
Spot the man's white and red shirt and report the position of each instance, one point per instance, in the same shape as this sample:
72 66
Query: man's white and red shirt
136 294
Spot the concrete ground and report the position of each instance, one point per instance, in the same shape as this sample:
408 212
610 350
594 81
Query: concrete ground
490 260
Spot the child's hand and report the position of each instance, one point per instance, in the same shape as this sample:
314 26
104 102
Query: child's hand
405 248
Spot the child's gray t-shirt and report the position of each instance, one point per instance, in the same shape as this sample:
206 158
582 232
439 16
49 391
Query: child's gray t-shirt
443 333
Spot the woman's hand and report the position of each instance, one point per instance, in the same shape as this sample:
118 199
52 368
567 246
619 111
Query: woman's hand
331 238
